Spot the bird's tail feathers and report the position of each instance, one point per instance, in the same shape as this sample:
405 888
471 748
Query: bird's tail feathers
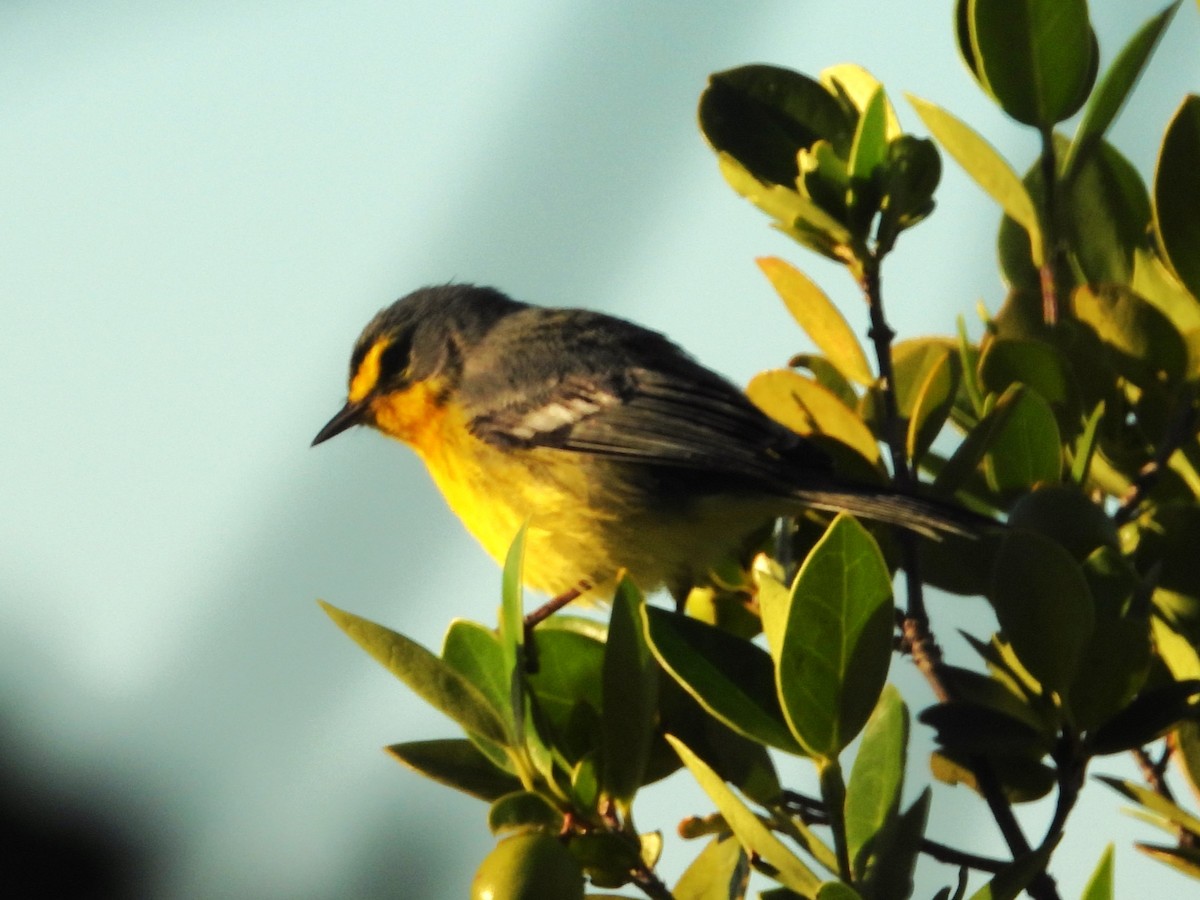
923 515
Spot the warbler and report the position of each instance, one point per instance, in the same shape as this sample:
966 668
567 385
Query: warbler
618 449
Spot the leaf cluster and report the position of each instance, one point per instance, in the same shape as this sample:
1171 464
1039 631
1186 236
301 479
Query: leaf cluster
1073 422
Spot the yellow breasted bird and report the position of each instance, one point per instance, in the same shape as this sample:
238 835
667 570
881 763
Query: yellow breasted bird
618 448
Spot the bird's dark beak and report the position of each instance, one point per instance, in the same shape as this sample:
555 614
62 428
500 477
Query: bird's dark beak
347 417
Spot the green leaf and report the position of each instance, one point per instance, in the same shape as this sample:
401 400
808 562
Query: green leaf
867 155
630 697
876 779
762 115
981 161
523 811
1100 885
754 836
1037 58
512 617
721 871
429 677
837 890
473 650
1026 450
837 643
1114 88
1085 446
891 874
1041 366
1142 339
821 320
968 729
733 679
1107 216
795 215
935 399
1176 189
1044 607
455 763
568 688
1116 660
1187 752
910 177
1068 517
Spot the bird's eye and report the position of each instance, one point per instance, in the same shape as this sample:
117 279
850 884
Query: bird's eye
395 357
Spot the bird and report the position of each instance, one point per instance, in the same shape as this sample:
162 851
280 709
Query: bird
613 447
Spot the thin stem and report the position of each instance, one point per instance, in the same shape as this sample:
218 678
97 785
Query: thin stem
1050 249
916 632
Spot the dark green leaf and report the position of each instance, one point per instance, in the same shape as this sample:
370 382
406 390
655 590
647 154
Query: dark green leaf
1022 778
1067 516
837 890
1000 695
429 677
1044 607
975 446
523 811
731 678
876 779
1114 88
630 704
720 872
1037 58
970 729
1176 189
568 689
1116 660
512 620
1107 214
1152 713
1142 339
912 173
763 115
837 641
891 874
1027 449
1041 366
457 764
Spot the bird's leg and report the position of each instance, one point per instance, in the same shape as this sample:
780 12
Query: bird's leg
543 612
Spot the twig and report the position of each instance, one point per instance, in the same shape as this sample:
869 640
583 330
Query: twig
917 635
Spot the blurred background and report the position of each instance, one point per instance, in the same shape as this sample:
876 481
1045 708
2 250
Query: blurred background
202 205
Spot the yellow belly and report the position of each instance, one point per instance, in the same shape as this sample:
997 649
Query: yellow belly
587 518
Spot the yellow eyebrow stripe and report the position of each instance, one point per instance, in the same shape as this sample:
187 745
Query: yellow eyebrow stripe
367 376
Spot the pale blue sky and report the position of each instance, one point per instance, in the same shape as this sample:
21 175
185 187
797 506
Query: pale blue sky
203 203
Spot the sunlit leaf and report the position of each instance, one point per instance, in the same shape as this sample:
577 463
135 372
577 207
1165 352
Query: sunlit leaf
989 170
1100 885
721 871
428 676
455 763
807 408
756 837
935 399
1142 339
523 811
821 320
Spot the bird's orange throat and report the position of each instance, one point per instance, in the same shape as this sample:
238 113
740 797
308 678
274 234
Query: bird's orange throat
415 416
